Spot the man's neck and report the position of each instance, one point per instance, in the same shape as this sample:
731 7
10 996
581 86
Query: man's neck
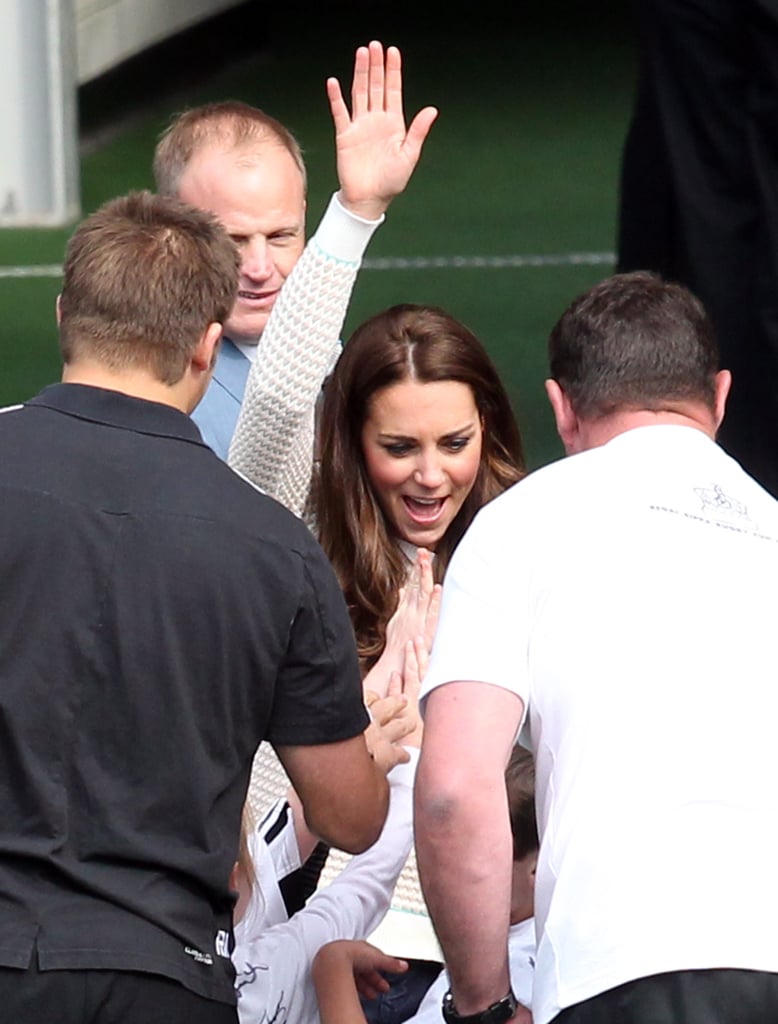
132 382
596 432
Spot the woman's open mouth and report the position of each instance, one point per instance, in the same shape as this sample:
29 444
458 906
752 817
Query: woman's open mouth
424 510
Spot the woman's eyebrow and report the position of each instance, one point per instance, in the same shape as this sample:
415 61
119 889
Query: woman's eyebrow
461 430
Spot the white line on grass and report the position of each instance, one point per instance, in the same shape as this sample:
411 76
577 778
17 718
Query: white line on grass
564 259
45 270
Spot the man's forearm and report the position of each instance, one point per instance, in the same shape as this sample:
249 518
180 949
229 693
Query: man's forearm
464 856
463 838
345 796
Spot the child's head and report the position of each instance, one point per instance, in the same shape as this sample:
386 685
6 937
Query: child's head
520 784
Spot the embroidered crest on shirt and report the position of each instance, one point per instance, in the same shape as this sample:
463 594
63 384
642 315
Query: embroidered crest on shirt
718 505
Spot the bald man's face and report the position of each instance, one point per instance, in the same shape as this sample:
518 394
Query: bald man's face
258 194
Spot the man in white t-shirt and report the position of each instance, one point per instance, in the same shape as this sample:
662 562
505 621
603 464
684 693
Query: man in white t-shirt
618 604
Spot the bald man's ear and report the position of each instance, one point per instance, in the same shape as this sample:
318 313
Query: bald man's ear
567 425
723 383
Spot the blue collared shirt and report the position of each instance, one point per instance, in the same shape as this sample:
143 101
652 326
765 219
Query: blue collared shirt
217 414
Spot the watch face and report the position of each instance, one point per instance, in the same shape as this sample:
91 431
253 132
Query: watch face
449 1013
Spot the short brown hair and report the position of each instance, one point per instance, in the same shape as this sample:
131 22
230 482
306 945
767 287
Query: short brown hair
634 341
520 783
229 123
144 276
423 343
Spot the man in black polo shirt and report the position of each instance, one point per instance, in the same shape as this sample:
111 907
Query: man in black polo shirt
158 619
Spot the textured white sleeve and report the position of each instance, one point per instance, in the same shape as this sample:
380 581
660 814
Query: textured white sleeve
273 443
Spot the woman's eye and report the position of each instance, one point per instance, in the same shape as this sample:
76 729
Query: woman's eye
456 444
397 450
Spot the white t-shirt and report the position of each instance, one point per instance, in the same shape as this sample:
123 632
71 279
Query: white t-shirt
521 957
273 954
627 595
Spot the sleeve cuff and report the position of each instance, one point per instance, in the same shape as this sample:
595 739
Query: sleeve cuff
342 235
404 774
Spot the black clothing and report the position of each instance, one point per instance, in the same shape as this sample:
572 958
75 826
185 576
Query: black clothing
699 191
107 997
720 996
158 618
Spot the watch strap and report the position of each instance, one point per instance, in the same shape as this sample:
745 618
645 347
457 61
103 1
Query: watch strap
497 1013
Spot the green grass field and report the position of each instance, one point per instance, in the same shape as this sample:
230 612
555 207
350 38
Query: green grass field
524 161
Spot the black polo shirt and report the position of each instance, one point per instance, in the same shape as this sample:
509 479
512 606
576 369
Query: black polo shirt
158 618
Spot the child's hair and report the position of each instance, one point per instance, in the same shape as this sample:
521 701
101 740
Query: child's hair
245 860
520 783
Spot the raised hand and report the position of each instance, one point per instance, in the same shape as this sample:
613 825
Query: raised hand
418 606
376 154
416 616
416 660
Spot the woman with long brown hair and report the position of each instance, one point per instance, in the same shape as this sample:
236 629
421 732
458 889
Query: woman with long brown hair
416 434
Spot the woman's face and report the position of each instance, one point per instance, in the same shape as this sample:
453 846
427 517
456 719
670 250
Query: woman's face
422 447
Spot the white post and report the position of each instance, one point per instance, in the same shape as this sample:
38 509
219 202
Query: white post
39 182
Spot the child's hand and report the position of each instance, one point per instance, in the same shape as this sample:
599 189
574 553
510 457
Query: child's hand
395 718
365 962
391 722
369 965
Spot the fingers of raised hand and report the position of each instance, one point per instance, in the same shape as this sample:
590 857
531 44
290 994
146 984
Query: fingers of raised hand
394 81
433 613
415 574
419 660
417 134
360 81
377 76
422 571
368 86
412 669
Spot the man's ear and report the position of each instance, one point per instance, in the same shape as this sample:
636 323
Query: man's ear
58 311
532 866
564 415
723 383
204 356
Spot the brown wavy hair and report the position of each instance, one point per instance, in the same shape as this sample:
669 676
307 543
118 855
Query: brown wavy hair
426 344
